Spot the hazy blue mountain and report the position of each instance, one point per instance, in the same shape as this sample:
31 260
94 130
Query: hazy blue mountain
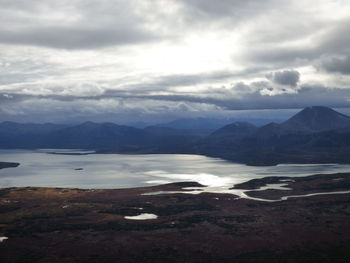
235 129
90 135
23 128
87 135
166 131
316 134
316 119
310 120
224 140
206 126
197 123
25 135
199 126
107 137
139 124
170 140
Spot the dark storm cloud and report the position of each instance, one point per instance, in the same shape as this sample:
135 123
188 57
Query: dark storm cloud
286 77
337 38
232 9
95 24
9 78
306 96
75 38
192 79
5 97
79 24
184 80
283 56
177 56
240 97
167 82
337 65
139 105
333 39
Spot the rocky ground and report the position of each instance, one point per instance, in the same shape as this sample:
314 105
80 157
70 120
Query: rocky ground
72 225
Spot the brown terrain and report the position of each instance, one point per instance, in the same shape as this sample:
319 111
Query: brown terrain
73 225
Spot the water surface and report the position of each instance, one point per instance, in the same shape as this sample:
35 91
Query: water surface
106 171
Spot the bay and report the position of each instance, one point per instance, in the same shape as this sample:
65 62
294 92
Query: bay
74 169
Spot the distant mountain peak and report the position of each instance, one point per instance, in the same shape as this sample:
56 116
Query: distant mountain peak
317 118
236 128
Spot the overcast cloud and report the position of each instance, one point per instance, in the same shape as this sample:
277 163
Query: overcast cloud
132 60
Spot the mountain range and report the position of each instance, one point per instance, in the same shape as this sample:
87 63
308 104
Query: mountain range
314 135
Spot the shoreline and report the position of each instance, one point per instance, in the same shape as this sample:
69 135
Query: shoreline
4 165
231 160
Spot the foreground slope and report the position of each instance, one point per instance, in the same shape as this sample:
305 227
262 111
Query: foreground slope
71 225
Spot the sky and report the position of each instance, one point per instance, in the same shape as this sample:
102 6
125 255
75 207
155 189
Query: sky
158 60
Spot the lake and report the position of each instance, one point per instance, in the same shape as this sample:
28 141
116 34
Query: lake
42 168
